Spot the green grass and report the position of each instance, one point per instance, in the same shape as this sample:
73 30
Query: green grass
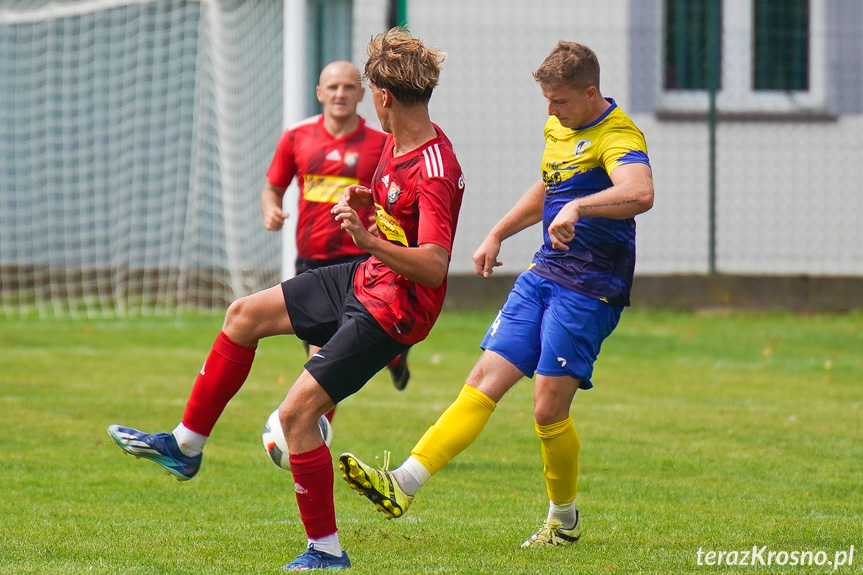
717 432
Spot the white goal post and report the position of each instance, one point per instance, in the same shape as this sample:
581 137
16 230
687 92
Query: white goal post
135 136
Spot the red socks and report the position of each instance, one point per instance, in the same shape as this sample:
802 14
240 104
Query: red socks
313 483
220 379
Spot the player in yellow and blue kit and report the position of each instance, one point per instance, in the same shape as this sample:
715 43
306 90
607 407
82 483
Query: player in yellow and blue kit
596 178
592 273
577 162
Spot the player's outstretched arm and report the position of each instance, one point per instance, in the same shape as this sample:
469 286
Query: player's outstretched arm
526 212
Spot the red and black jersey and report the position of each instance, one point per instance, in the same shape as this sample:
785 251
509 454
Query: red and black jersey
417 200
324 165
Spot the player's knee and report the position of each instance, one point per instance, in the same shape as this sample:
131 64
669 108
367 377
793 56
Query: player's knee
238 320
287 416
295 416
548 412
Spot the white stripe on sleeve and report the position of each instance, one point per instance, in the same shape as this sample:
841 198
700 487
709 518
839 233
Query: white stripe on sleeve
439 159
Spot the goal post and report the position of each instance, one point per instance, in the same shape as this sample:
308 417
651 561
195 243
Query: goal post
135 136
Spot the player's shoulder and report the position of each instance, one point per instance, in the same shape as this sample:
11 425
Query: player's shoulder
618 116
438 159
311 121
372 127
623 138
613 126
617 119
372 134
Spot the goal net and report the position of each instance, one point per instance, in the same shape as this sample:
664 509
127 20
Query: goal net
134 141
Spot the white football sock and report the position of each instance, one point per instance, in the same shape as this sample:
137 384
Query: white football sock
567 513
189 442
411 475
329 544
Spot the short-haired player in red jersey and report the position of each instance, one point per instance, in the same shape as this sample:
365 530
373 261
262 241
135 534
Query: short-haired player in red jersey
362 315
326 153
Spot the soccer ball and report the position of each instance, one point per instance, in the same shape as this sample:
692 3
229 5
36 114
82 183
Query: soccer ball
274 439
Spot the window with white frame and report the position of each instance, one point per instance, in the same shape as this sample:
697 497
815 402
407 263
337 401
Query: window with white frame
771 56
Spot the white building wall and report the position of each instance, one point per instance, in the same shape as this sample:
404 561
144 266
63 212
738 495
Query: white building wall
790 194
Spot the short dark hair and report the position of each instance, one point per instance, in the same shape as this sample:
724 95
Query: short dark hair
571 64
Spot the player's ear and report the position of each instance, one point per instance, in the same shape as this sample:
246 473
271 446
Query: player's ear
386 98
362 93
319 94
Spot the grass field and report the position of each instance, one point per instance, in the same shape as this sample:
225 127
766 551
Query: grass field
704 432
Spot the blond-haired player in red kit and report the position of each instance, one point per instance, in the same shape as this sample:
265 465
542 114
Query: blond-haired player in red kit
326 153
362 315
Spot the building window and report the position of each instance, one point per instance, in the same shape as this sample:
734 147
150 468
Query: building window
781 45
686 25
330 28
771 56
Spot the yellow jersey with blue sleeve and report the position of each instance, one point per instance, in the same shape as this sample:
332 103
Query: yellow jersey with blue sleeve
577 162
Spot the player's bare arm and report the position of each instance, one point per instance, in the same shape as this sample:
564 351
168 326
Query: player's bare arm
426 264
526 212
631 194
271 207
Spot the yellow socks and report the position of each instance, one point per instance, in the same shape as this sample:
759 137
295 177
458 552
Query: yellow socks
456 428
560 446
464 420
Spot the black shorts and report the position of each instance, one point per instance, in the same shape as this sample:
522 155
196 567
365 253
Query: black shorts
302 265
325 312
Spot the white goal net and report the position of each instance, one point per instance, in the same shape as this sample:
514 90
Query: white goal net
134 141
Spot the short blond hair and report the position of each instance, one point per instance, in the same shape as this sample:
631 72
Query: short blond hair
569 64
400 63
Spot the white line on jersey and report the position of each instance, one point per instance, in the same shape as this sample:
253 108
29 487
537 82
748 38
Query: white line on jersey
434 162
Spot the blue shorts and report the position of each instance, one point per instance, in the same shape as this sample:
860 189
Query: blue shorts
547 328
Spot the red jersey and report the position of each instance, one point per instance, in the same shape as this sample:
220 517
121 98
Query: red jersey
417 198
324 165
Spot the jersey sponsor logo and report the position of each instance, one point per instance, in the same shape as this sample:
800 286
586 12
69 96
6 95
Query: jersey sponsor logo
325 189
389 226
351 158
334 156
552 181
386 180
434 162
461 182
